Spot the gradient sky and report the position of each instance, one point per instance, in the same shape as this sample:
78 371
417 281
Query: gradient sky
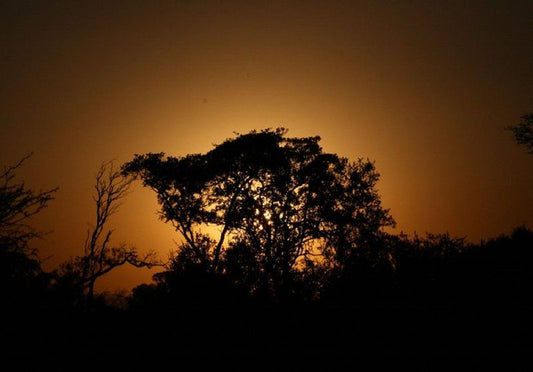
424 88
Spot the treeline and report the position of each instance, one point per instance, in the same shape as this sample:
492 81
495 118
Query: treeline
433 301
435 271
301 261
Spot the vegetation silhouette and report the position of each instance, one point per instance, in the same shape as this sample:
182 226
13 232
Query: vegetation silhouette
285 259
523 132
286 209
78 275
22 280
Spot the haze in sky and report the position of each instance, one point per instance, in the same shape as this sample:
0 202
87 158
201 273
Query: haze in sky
425 89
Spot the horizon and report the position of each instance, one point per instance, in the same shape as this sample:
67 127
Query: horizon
423 90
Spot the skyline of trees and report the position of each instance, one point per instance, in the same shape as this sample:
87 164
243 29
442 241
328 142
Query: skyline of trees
280 204
302 267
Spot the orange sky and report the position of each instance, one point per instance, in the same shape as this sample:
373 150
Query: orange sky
423 88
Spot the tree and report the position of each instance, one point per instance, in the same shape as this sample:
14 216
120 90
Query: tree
100 256
523 132
21 276
279 204
17 205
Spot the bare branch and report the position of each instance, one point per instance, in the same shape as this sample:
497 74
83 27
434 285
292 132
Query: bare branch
100 255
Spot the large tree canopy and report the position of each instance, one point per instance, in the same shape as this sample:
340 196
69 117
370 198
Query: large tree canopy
278 203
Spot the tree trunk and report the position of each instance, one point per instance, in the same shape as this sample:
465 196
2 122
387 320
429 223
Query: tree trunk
90 295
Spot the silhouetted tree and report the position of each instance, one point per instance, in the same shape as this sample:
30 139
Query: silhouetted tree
21 277
523 132
17 205
278 203
100 256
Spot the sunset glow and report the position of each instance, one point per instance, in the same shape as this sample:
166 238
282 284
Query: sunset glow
425 90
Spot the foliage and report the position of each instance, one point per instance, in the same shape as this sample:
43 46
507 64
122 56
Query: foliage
523 132
278 203
17 205
21 277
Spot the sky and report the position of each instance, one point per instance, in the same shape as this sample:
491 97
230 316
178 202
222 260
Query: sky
423 88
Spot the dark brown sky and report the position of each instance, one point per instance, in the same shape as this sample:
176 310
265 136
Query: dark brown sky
424 88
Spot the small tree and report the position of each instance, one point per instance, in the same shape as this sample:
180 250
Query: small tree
21 275
17 205
523 132
100 256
